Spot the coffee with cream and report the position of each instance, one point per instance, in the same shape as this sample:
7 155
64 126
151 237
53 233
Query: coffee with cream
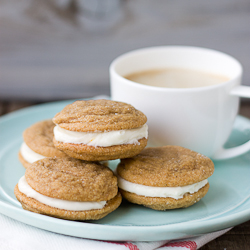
176 78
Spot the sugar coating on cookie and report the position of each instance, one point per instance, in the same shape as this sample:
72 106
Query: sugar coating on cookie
68 188
100 130
72 179
99 116
38 143
165 177
168 166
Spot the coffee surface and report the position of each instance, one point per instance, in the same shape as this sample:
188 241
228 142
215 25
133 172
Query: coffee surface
176 78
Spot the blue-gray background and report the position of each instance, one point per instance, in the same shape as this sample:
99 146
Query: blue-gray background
57 49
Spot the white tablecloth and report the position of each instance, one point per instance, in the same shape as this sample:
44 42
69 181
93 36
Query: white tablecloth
15 235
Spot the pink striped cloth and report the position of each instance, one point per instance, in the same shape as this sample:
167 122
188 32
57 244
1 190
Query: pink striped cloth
185 244
15 235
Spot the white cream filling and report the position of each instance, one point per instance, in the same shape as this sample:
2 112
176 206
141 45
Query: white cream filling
102 139
24 188
149 191
29 155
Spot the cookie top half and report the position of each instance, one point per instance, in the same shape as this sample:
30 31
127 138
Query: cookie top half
168 166
72 179
39 138
99 116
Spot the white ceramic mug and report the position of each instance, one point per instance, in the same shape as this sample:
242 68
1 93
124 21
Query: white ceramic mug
200 118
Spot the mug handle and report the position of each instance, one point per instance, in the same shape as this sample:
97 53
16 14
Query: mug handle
223 153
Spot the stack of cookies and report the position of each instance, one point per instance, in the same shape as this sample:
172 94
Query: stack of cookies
66 178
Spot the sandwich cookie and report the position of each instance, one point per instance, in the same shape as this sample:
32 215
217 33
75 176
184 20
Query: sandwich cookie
164 178
38 143
69 189
97 130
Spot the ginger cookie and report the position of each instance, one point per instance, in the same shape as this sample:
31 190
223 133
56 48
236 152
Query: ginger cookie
38 143
68 188
164 178
97 130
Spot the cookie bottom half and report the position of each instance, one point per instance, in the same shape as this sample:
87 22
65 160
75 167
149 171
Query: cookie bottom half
91 153
23 161
33 205
159 203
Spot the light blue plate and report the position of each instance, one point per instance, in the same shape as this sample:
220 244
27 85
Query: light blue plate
226 204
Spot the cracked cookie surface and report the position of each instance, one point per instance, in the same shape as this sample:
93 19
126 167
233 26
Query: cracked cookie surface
99 115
